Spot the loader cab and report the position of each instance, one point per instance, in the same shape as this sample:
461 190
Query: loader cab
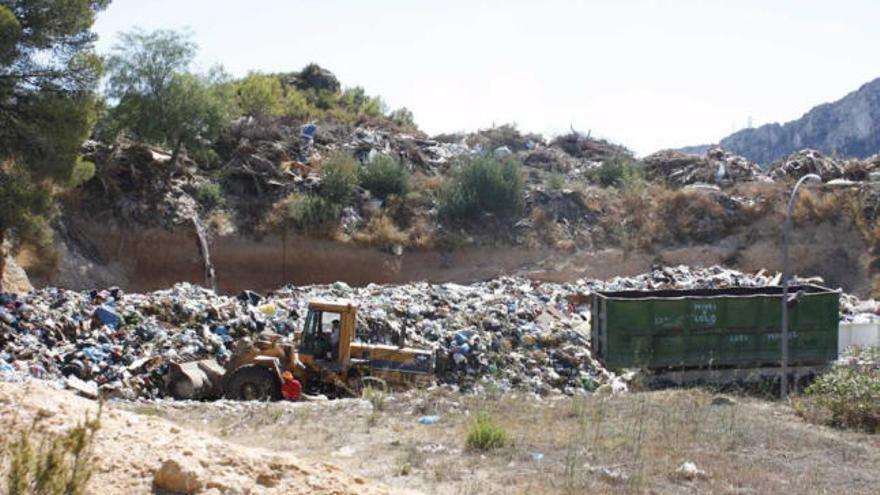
328 331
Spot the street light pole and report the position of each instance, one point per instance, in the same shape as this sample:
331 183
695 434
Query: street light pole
786 233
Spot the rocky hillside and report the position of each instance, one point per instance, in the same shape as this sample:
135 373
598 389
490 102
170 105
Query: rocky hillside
347 195
588 209
847 127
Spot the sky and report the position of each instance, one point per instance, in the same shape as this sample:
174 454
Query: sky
647 74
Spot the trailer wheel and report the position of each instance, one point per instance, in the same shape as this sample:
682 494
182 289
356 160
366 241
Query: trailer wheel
253 382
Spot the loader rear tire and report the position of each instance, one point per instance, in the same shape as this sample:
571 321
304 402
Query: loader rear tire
253 382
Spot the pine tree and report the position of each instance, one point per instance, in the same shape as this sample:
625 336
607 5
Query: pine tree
48 75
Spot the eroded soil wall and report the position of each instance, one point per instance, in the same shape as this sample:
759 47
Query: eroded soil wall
149 259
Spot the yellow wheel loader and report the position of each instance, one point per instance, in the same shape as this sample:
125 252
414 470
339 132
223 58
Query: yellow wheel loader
323 356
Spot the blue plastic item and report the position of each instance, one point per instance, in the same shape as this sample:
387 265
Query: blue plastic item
429 420
309 130
108 316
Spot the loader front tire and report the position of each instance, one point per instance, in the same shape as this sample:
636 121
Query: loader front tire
253 382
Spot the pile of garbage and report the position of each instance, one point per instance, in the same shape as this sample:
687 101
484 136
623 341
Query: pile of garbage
121 343
584 146
138 183
717 166
805 162
867 169
509 332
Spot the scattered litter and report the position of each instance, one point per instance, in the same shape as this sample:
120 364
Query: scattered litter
429 420
689 471
609 475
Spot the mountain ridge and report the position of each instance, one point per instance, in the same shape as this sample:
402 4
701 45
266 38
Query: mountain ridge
849 126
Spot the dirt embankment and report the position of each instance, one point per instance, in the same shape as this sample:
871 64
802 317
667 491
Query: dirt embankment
137 453
154 258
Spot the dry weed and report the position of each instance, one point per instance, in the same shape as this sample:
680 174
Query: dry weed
421 182
686 216
381 231
544 226
816 207
422 233
220 223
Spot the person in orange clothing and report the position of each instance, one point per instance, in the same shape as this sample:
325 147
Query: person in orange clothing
291 387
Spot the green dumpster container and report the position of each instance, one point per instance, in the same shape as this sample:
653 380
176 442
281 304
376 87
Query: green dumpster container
733 328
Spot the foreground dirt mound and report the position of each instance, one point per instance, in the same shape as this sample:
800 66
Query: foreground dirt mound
144 454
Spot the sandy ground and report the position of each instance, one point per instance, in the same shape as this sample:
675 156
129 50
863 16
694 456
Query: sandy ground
633 443
130 447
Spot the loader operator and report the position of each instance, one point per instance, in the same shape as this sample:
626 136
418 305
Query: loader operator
334 338
291 387
328 341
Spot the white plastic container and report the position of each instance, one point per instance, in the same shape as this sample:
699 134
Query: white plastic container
858 334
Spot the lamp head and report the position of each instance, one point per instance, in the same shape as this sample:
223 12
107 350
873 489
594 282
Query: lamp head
811 178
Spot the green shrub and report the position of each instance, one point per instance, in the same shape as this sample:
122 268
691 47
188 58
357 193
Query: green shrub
483 184
850 395
357 102
485 434
402 117
296 105
339 177
259 95
556 182
375 396
311 212
82 172
619 171
210 195
383 175
61 463
205 158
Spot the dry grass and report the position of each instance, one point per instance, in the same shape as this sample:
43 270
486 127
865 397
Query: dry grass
855 207
569 245
421 182
220 223
817 207
422 233
640 221
690 216
654 216
597 444
381 231
545 230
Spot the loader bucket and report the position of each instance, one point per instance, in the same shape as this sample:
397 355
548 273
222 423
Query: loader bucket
196 380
